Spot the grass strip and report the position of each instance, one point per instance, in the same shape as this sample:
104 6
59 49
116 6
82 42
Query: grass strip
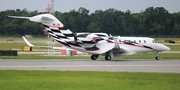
87 80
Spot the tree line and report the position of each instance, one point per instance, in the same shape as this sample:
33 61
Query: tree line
153 21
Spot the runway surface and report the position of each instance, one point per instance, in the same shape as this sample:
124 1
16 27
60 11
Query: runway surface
169 66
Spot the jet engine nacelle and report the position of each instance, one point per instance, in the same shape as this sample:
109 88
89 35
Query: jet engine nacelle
94 37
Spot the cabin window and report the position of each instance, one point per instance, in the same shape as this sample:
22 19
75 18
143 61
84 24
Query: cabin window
139 41
144 41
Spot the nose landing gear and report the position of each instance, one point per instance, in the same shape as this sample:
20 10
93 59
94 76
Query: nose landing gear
157 56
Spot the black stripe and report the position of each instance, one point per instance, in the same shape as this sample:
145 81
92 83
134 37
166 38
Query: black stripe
62 36
89 42
147 47
92 48
63 43
50 31
54 37
97 40
54 30
74 44
129 43
63 28
69 35
46 26
109 41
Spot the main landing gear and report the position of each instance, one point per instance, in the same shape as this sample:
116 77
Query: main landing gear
94 57
107 57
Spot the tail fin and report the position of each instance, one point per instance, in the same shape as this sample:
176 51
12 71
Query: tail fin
27 42
55 28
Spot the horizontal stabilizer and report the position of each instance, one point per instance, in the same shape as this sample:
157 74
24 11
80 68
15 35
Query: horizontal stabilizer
27 42
31 45
19 17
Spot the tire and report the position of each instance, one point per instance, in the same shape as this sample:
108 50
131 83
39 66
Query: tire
94 57
157 57
108 57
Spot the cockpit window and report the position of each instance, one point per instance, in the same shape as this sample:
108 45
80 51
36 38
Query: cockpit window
155 41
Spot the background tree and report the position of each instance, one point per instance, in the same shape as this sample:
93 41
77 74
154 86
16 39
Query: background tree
153 21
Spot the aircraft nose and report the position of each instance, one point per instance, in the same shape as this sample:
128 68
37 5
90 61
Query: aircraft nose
162 48
165 48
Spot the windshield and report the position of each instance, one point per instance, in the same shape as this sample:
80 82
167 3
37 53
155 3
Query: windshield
155 41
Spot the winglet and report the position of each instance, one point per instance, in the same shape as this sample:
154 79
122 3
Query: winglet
27 42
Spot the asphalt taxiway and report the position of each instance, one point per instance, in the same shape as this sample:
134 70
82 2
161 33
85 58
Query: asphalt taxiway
167 66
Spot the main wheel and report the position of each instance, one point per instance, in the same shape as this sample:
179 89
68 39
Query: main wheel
94 57
108 57
157 57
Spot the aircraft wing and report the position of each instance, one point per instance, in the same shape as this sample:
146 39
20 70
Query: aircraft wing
103 47
125 51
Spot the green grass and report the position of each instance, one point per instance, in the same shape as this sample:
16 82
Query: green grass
37 56
174 47
11 46
87 80
161 40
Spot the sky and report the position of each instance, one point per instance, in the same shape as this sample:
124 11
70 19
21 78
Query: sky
135 6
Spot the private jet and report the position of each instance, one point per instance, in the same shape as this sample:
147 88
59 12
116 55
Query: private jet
97 44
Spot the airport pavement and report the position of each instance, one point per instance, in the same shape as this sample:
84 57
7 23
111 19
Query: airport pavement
167 66
59 53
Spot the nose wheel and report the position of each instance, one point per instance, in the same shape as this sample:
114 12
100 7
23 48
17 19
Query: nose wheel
157 56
